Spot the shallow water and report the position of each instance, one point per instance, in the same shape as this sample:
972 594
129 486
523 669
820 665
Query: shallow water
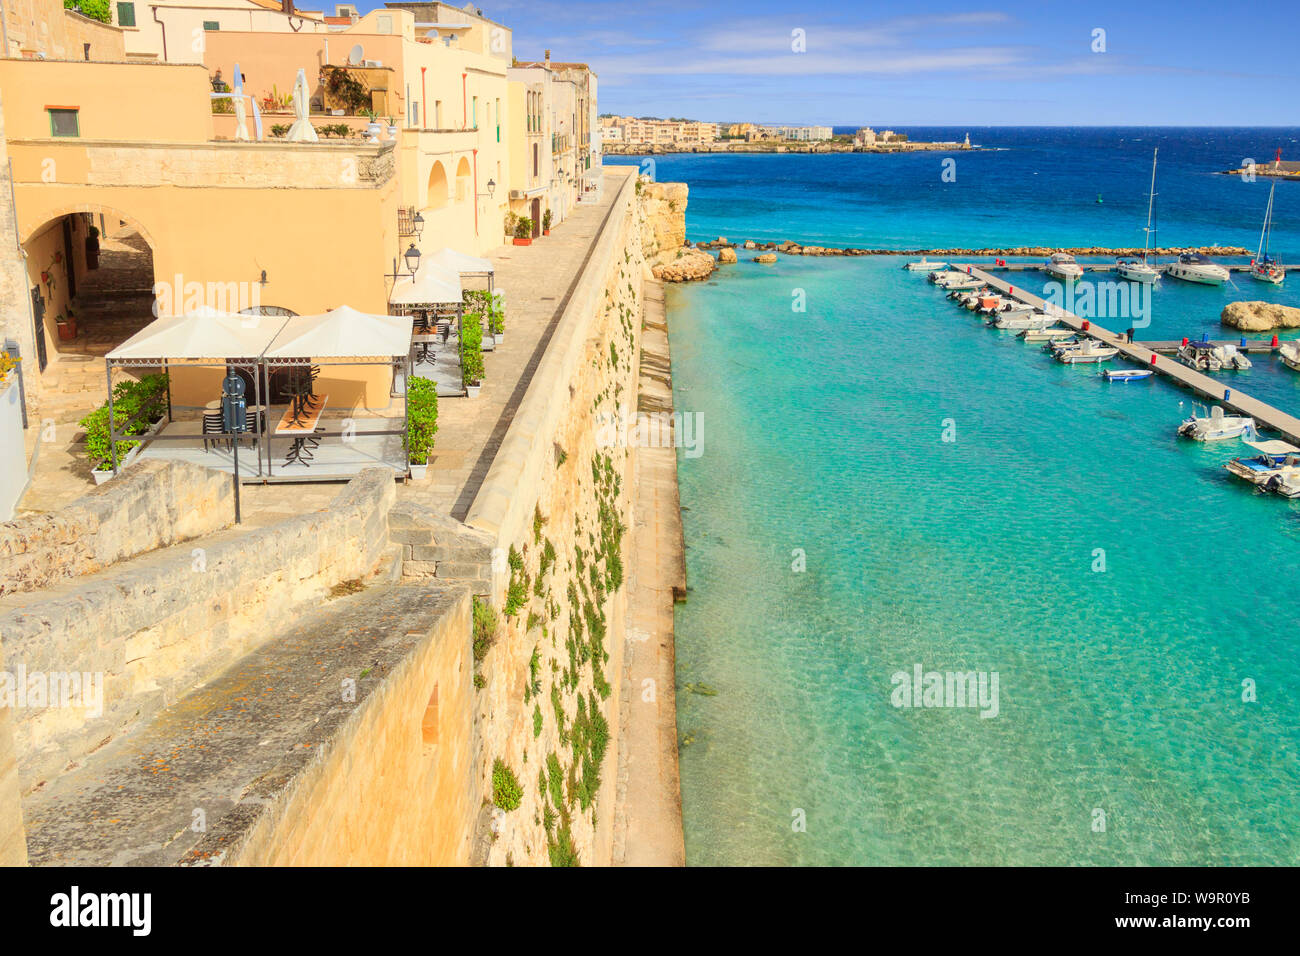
1120 690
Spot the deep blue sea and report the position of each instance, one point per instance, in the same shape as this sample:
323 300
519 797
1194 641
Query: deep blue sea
886 483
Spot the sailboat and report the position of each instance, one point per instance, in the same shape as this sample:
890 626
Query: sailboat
1263 267
1143 271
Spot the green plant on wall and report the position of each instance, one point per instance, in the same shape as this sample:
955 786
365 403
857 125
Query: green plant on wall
345 88
421 418
95 9
507 793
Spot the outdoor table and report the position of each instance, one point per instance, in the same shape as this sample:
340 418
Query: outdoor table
301 424
423 344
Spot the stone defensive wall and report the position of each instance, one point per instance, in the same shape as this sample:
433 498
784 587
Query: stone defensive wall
154 505
555 504
159 625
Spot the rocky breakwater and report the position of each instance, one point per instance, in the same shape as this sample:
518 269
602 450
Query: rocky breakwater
663 239
791 248
1259 316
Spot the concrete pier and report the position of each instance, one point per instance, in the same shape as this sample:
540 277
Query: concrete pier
1265 415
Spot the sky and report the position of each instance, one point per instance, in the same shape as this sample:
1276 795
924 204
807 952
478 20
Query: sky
898 64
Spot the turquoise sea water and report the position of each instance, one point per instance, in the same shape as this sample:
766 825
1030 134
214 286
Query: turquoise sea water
1120 690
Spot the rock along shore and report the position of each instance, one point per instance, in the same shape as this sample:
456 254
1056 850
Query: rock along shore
792 248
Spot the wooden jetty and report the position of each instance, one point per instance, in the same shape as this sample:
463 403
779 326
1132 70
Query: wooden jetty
1252 345
1215 390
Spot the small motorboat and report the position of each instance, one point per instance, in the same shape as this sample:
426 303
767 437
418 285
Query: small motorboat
1086 352
1021 319
1290 353
924 266
1285 483
1215 426
1208 357
1276 458
1128 374
960 281
1056 333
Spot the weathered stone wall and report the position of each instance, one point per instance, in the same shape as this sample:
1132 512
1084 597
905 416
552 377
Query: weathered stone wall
394 786
13 839
153 505
557 499
43 26
158 625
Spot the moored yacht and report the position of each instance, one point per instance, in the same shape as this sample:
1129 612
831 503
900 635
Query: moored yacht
1290 353
1194 267
1215 426
1264 267
1019 319
1207 357
1136 270
924 266
1063 266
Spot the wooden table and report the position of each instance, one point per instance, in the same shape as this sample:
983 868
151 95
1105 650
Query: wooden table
302 427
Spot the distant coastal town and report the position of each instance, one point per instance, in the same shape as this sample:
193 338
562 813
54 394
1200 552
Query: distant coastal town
636 135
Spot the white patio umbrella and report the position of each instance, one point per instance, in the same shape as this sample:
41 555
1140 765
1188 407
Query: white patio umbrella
301 131
431 285
241 113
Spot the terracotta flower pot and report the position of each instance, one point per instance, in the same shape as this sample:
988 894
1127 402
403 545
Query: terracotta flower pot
523 242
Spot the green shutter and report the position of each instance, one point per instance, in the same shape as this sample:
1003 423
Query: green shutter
126 14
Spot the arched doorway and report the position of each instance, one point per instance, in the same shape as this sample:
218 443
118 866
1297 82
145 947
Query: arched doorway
437 197
91 280
464 187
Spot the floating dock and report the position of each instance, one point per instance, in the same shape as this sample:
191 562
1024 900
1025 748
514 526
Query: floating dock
1100 267
1265 415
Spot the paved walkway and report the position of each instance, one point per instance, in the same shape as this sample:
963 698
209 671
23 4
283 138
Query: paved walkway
537 281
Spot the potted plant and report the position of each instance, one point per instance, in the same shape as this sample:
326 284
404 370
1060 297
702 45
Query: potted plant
92 248
496 319
138 409
524 231
67 326
421 423
392 128
471 356
373 127
546 223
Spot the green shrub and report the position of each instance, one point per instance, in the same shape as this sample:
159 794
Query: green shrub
485 627
506 789
145 401
537 721
471 349
523 228
421 418
94 9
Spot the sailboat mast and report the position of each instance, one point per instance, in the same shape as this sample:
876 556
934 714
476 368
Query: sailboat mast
1268 217
1151 205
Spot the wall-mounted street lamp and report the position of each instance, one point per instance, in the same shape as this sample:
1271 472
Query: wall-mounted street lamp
412 259
491 187
418 223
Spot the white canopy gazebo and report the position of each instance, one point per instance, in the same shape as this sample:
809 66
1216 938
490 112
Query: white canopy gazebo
463 265
256 344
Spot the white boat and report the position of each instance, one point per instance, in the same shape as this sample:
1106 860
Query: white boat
1063 266
1141 270
1285 483
1087 352
1264 267
1276 459
1194 267
960 281
1290 352
1021 319
1216 426
924 266
1207 357
1127 374
1053 334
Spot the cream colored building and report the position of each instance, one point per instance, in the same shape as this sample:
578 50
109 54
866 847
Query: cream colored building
442 82
176 31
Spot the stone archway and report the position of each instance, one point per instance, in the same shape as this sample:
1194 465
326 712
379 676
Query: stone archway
464 188
90 274
437 194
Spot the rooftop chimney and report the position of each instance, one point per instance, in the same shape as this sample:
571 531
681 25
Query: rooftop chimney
548 57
